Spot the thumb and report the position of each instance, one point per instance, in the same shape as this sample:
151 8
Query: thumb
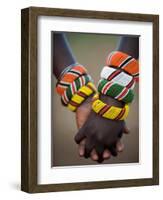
82 114
126 129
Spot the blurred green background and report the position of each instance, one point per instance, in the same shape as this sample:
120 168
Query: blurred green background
91 51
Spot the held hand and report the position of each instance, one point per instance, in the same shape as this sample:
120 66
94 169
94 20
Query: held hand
102 131
83 112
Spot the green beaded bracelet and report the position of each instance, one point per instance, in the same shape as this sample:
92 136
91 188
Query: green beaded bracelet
115 90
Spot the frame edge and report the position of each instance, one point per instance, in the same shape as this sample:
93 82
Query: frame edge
24 99
28 101
156 100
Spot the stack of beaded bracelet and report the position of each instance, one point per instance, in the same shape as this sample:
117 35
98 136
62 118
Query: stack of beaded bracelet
74 86
73 72
119 76
117 80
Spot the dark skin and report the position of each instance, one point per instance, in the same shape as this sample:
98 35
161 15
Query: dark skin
101 133
94 143
62 54
82 115
129 45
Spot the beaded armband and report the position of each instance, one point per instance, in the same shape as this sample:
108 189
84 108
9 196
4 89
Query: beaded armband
67 78
81 95
112 89
74 87
125 62
117 76
108 111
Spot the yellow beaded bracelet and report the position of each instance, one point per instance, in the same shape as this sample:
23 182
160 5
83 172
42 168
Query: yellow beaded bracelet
108 111
79 97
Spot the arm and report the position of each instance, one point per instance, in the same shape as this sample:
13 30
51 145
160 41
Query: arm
102 133
63 57
62 53
129 45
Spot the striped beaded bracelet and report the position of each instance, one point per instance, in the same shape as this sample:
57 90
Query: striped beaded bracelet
115 90
67 78
74 87
108 111
80 96
66 70
118 76
124 61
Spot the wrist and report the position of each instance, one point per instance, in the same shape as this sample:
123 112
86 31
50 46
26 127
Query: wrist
111 101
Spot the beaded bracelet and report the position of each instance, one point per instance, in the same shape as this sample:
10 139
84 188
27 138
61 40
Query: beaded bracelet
67 78
79 97
66 70
118 76
124 61
74 87
108 111
115 90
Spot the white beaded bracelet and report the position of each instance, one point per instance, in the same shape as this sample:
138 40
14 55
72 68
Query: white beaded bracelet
117 76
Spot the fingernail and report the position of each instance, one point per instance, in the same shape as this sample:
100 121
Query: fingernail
81 153
106 155
95 157
120 148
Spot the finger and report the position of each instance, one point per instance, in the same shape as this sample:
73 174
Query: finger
81 147
88 147
119 146
94 155
80 135
126 129
100 149
113 150
106 154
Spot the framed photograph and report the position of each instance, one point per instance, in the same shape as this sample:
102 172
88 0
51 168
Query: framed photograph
103 66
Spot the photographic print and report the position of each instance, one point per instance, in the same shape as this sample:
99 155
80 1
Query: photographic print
90 99
97 53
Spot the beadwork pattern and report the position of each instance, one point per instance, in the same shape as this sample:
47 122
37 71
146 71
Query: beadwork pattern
108 111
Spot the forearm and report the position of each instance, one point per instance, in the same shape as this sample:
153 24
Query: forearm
129 45
62 53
